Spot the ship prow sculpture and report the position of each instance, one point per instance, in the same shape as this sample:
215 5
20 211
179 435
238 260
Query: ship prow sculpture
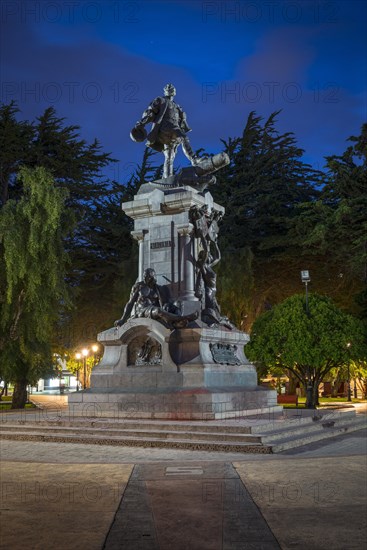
173 354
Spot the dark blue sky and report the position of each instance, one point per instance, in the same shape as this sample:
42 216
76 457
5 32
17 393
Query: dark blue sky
100 63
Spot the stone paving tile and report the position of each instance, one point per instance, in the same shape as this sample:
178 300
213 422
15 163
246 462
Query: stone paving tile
187 506
133 526
312 498
59 506
311 503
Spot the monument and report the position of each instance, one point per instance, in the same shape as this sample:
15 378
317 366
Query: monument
173 354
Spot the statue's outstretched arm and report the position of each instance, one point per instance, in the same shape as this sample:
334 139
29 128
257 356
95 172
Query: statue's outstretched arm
129 306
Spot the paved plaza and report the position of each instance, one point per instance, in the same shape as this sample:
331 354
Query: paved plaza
77 496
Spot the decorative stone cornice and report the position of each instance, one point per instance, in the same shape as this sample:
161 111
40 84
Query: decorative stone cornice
158 203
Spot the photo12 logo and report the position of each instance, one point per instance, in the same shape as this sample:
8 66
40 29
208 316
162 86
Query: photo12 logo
38 11
248 11
68 92
270 92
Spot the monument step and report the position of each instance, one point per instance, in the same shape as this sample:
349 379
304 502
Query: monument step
320 434
251 425
148 425
122 432
296 428
125 441
301 420
243 426
250 435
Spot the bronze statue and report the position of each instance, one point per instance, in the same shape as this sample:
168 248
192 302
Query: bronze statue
168 131
206 288
147 299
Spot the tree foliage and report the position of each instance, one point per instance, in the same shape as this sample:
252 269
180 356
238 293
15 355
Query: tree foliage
262 189
264 183
335 226
33 288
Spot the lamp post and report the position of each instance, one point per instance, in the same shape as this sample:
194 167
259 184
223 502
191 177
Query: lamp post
77 357
85 352
349 395
305 278
94 349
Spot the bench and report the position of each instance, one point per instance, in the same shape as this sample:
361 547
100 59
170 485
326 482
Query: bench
283 398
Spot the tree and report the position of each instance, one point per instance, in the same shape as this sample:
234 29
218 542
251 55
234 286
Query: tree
106 264
360 376
261 190
15 147
309 344
335 226
102 265
263 185
236 285
33 291
94 248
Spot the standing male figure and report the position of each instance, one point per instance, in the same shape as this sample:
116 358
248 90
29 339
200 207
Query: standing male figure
168 131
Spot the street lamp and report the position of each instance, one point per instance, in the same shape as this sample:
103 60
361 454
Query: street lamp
77 357
349 395
305 277
85 352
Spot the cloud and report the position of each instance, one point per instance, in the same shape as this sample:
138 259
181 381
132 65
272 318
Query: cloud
105 86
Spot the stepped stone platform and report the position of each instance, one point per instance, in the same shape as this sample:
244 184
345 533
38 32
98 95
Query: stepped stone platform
262 434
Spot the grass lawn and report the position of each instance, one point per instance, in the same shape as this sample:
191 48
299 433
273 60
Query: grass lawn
324 402
5 403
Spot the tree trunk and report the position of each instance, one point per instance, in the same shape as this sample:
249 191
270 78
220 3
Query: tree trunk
335 387
316 394
19 394
292 383
312 391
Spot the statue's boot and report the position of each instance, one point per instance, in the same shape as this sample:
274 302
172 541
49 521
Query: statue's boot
189 153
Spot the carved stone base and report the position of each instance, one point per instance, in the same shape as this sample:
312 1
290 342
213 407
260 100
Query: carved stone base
149 371
188 404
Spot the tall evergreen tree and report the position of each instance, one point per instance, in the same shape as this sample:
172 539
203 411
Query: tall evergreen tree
102 254
15 148
261 190
109 279
335 226
263 185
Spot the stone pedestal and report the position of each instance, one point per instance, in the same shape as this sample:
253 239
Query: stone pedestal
150 371
165 235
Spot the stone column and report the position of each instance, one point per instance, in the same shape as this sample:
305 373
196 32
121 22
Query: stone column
186 262
139 236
